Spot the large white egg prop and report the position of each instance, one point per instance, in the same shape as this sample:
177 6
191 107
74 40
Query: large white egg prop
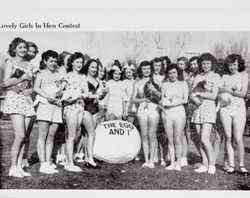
116 141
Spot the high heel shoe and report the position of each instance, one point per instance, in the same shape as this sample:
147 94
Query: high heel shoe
91 166
243 171
15 173
230 170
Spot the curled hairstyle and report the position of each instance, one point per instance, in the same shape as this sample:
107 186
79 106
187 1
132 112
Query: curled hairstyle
178 69
207 57
185 59
142 64
124 73
105 72
112 71
232 58
85 68
73 57
61 58
167 59
157 60
31 44
14 44
191 60
45 56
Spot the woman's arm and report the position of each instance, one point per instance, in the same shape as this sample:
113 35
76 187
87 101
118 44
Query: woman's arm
243 92
8 81
86 89
153 89
134 99
214 92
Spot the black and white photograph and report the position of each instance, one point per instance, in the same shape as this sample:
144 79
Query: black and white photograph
87 108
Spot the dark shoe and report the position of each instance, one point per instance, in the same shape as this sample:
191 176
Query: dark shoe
230 171
91 166
243 171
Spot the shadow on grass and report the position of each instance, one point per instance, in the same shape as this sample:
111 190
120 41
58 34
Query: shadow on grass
243 187
33 159
193 158
247 150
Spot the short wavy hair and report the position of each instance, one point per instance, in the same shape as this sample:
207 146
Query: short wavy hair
14 44
178 69
73 57
45 56
193 58
156 60
61 58
207 57
85 68
232 58
105 72
143 64
31 44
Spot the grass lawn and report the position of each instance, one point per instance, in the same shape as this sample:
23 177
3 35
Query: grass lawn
123 176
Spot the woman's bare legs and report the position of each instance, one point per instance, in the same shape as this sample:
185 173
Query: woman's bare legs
238 130
43 128
204 166
23 147
89 126
72 123
153 122
18 122
143 122
169 129
178 127
205 139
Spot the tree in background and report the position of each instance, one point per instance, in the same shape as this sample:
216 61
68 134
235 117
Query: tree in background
221 50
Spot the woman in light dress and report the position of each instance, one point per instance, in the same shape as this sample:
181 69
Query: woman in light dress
204 115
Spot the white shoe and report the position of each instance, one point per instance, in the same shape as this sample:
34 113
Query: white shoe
211 170
145 165
13 172
47 169
184 162
177 168
163 163
170 167
73 168
202 169
151 165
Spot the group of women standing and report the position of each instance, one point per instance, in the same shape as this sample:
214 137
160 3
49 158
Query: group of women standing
79 94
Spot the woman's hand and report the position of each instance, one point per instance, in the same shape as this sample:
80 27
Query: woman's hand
197 101
147 100
225 90
27 92
151 87
195 94
59 94
51 99
26 76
